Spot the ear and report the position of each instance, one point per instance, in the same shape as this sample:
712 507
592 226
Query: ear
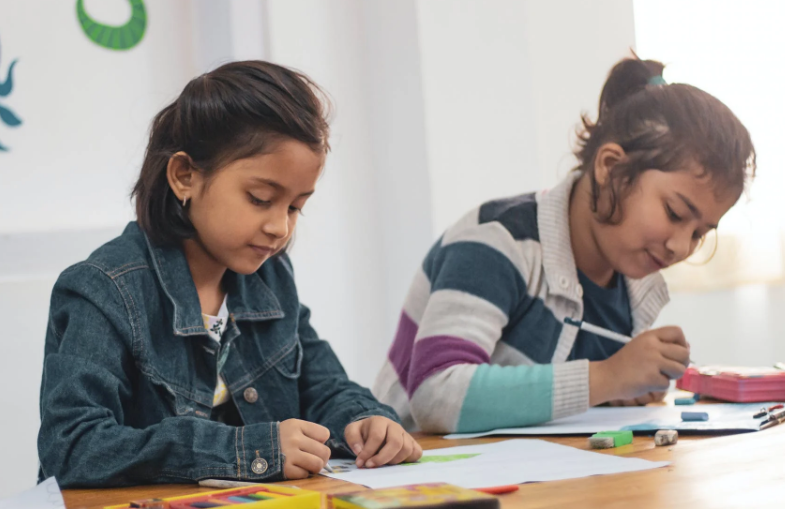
608 156
181 174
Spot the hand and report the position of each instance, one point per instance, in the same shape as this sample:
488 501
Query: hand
649 397
645 364
302 443
379 441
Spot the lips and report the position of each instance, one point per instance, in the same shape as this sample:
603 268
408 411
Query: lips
262 250
656 261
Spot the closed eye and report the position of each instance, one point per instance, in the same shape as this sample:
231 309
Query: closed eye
672 215
256 201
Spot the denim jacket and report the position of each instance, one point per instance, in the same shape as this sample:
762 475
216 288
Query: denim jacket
129 372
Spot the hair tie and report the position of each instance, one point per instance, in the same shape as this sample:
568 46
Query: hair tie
657 80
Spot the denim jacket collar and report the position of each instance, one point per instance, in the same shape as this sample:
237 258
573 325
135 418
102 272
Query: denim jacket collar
249 298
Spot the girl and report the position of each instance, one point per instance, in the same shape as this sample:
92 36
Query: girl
180 350
482 342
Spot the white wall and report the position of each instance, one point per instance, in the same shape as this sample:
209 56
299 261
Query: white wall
505 82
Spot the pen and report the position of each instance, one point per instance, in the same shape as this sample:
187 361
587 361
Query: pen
601 331
595 329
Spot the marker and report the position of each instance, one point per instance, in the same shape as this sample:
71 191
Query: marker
595 329
498 490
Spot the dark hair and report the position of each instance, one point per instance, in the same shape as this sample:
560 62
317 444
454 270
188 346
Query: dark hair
238 110
662 126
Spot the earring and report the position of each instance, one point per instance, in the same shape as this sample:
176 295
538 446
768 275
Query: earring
185 201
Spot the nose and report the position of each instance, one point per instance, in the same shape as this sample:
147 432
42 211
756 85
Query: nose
276 223
681 244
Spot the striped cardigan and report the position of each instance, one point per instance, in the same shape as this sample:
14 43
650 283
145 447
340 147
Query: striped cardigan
481 342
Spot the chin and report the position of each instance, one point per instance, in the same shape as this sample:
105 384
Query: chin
247 268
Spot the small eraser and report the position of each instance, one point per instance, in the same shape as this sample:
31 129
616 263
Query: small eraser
666 437
684 401
694 416
601 442
620 437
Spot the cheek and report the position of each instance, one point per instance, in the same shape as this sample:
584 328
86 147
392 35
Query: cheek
225 223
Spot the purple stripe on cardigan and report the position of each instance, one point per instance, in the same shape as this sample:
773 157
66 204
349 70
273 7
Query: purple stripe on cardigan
438 353
401 351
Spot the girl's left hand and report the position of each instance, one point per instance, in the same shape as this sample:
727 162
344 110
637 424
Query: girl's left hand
650 397
380 441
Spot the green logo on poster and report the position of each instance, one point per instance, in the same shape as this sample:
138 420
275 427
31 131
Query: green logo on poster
115 37
7 116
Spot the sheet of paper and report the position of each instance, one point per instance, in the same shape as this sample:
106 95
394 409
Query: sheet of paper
479 466
44 496
722 417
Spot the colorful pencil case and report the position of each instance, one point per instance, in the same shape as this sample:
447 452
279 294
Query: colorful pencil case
259 496
736 384
422 496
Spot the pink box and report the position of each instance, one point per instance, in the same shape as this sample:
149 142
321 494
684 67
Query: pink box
736 384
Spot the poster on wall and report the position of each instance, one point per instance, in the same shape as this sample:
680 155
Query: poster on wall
118 38
7 116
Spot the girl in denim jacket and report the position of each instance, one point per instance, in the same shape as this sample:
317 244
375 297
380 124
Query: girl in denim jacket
180 350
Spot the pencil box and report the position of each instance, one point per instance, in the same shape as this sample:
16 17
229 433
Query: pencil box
736 384
259 496
422 496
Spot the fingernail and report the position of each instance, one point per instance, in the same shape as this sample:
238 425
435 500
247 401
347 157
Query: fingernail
369 464
360 463
357 448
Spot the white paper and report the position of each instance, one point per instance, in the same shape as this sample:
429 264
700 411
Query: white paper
507 462
44 496
722 417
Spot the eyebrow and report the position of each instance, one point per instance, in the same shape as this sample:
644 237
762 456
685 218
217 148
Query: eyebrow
694 209
277 186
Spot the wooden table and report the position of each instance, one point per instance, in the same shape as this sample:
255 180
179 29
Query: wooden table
746 470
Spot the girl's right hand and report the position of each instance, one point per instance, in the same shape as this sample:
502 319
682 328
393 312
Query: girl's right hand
646 364
302 444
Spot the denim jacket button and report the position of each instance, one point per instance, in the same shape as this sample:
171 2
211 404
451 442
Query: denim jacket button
259 466
251 396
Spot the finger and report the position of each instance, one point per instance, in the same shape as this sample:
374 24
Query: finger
309 462
416 452
671 369
316 448
353 437
660 382
315 431
376 433
676 353
392 447
658 396
671 334
405 452
643 400
294 472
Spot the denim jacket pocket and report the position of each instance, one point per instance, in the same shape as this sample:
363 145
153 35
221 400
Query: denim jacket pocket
290 364
179 404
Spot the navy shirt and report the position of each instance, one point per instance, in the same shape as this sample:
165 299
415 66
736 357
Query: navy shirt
606 307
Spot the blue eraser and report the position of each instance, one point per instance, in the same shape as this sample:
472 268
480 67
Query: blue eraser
694 416
687 401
